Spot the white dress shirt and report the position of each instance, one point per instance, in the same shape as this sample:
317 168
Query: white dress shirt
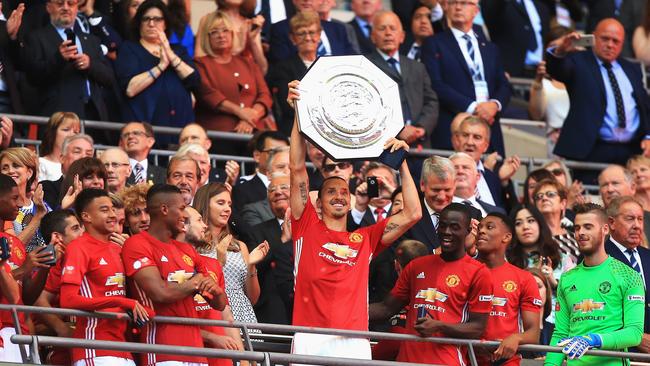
482 186
432 214
144 163
472 200
357 215
627 256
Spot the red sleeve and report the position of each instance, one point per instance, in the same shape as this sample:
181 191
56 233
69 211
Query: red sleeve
301 225
376 231
71 299
136 254
76 264
53 283
402 289
221 281
530 299
481 292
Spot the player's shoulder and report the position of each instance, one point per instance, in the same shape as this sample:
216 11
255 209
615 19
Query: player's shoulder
627 276
80 243
186 248
136 242
472 265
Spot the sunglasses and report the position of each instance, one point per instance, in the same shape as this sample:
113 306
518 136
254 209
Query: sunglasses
557 172
550 195
328 168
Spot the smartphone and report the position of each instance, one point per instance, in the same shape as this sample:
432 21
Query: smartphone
373 187
70 36
422 312
585 40
138 323
5 248
50 250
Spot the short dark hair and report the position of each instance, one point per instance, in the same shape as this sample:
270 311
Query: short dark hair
86 197
158 189
459 207
83 167
7 183
585 208
139 14
408 250
259 140
54 222
506 220
320 190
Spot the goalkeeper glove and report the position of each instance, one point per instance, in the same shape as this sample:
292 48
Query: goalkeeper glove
575 347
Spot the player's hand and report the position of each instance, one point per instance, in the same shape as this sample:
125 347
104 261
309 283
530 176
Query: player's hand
470 239
426 327
576 347
224 342
36 259
294 94
140 313
118 238
394 144
259 253
507 348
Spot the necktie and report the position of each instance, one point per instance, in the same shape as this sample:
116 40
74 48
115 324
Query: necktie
416 52
393 63
477 194
532 40
473 67
436 219
321 49
618 97
633 262
380 214
406 109
368 30
139 173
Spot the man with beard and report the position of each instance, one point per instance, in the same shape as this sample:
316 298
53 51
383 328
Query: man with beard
184 173
448 295
600 302
135 208
326 251
516 304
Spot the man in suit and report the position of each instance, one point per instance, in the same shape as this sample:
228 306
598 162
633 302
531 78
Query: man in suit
368 211
624 243
608 120
467 74
419 101
467 178
334 39
421 29
117 167
275 272
518 28
137 139
184 173
10 100
69 69
324 12
273 11
364 11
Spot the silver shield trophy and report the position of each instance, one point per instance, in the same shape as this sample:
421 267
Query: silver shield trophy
348 107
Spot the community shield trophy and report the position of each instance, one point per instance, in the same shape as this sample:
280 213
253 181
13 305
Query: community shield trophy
348 107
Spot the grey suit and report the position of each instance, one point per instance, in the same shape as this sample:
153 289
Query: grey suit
256 213
415 91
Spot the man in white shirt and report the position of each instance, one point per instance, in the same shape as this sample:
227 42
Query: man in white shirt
137 139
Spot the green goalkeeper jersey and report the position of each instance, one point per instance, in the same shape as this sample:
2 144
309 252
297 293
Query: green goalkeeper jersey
609 300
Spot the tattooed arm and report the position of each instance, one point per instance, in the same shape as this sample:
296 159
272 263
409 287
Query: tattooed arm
299 178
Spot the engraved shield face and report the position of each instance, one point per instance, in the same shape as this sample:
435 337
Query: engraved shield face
348 107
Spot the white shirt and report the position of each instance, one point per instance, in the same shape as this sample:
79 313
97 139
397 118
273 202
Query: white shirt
636 256
357 215
534 57
144 163
471 200
395 56
482 186
326 43
276 8
264 179
432 213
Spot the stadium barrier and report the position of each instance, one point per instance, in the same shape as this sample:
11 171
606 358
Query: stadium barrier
266 358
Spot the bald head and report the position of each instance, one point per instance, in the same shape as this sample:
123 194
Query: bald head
118 168
194 134
609 36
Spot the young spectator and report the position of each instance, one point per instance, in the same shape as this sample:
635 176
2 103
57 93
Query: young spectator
599 283
83 173
545 292
137 139
167 274
551 199
421 28
59 126
135 208
184 173
118 169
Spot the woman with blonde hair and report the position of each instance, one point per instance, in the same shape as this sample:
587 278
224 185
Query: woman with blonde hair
214 203
59 126
639 166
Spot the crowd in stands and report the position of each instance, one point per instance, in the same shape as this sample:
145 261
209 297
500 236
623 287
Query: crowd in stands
447 247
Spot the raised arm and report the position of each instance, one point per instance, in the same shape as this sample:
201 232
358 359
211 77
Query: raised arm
299 178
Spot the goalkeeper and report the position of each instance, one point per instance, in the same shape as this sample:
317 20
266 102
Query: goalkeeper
600 303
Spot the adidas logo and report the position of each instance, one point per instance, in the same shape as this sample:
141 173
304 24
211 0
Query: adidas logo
164 259
102 262
573 288
421 275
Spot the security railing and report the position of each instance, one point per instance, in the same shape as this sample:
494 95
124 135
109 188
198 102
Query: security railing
266 358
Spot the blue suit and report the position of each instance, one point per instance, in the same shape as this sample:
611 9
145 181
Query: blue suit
452 81
581 74
281 47
644 254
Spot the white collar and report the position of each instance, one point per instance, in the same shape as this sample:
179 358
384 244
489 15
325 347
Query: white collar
386 57
429 208
144 163
620 246
264 179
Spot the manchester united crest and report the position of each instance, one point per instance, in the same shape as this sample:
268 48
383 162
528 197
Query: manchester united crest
355 238
452 280
188 260
509 286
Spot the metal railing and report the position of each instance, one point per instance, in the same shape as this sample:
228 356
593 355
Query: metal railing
250 354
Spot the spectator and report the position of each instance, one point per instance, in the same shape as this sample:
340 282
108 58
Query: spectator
96 18
545 292
518 29
247 33
21 164
304 32
483 91
530 184
467 178
198 153
179 23
625 244
184 173
364 13
193 133
629 13
316 157
72 75
419 101
173 274
574 187
135 208
615 130
370 210
118 169
233 96
421 29
94 262
516 300
242 287
620 324
137 139
639 166
549 99
127 10
550 199
324 12
83 173
333 39
59 126
467 303
156 93
73 148
10 101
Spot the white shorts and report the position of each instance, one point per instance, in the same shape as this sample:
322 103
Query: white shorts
10 352
106 361
330 346
178 363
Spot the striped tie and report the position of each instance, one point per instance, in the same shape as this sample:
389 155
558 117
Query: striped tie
473 67
322 51
633 262
139 173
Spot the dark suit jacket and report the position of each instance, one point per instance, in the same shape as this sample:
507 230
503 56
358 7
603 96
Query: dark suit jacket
275 274
451 79
644 254
510 29
52 192
494 184
365 44
282 48
155 174
580 72
414 90
489 208
266 13
61 84
246 192
424 230
280 74
9 53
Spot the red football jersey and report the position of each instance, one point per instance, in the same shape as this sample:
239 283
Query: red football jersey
332 268
176 262
18 255
515 290
96 267
449 291
205 311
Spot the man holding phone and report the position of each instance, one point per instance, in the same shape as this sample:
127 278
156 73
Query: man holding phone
372 197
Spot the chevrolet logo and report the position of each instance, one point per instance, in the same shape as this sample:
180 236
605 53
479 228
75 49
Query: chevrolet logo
199 299
117 280
431 295
588 305
179 276
499 301
341 251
